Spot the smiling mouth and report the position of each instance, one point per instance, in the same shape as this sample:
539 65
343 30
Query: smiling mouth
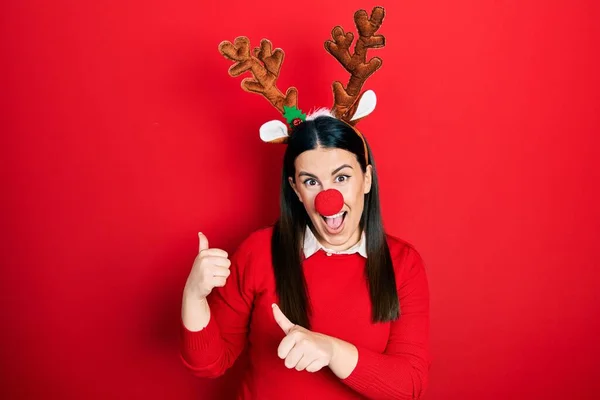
335 222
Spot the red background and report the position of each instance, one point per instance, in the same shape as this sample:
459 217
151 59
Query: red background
123 136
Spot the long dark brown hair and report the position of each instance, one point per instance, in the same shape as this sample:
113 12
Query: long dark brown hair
288 232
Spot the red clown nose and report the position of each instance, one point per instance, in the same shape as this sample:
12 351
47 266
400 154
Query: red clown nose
329 202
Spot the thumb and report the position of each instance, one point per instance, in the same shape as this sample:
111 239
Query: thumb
203 242
284 323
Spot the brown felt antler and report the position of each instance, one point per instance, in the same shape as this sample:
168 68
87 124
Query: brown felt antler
264 64
346 99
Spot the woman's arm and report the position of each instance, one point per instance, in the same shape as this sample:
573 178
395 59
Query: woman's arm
195 312
213 330
401 371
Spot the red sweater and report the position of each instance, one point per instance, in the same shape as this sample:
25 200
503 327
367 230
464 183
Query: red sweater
393 358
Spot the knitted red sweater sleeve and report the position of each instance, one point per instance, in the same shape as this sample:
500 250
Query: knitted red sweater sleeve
401 371
212 350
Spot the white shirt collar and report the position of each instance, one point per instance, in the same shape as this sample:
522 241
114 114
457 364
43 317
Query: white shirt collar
312 245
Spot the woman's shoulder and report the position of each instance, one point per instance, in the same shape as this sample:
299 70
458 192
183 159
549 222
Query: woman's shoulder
259 236
404 254
257 242
396 243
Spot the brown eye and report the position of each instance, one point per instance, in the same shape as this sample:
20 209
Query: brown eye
342 178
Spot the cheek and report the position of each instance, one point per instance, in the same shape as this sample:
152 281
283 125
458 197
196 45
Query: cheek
308 198
353 195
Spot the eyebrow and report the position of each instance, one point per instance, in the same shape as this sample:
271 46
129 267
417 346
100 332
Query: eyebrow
335 171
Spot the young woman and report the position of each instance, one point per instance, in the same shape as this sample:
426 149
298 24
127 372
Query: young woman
328 304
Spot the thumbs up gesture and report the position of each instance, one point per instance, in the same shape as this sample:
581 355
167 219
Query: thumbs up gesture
300 348
210 269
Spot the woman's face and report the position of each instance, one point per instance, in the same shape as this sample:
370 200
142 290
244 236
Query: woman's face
331 168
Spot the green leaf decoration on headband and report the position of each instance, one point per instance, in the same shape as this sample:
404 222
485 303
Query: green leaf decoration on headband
293 115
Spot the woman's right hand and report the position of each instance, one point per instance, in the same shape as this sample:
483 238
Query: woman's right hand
210 270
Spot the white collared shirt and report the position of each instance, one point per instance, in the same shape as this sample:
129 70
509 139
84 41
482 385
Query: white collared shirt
312 245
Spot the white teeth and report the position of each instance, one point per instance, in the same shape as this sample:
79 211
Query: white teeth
337 215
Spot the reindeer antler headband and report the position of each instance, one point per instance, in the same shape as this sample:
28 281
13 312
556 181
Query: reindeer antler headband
349 104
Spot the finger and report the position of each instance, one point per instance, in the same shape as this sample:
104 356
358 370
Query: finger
219 281
315 366
284 323
203 242
221 271
217 261
215 252
285 346
293 357
304 362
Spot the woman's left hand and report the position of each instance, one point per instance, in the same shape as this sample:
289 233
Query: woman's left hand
303 349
